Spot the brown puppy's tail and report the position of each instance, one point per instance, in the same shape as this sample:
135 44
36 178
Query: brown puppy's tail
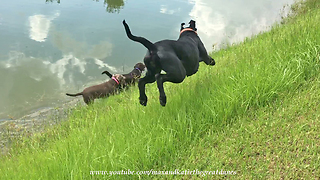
149 45
107 73
78 94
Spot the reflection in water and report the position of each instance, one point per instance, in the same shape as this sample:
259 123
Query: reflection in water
47 49
58 1
66 43
29 83
101 65
114 6
165 10
233 21
40 26
26 84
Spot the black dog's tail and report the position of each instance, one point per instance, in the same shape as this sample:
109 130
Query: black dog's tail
107 73
78 94
149 45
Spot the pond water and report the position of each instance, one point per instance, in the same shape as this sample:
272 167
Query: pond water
48 47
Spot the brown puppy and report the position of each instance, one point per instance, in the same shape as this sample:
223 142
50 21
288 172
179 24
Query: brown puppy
101 90
132 77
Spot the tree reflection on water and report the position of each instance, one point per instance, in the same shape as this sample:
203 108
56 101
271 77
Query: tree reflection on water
58 1
112 6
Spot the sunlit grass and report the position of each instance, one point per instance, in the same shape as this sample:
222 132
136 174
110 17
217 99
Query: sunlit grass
278 141
224 116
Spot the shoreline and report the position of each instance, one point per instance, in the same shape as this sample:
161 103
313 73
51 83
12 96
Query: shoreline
32 123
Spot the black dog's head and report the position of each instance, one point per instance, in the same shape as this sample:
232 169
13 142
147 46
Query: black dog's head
192 25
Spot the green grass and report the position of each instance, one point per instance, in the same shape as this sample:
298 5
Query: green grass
256 113
278 141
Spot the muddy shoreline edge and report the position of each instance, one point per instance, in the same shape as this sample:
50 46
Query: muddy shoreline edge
33 123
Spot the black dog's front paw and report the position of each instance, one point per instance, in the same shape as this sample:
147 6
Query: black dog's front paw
143 100
212 62
163 100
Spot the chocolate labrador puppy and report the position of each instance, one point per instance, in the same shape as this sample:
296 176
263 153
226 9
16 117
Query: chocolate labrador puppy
101 90
132 77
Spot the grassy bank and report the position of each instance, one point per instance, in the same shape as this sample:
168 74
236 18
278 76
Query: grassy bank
254 113
278 141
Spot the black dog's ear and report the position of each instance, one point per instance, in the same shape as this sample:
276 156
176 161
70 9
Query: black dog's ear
107 73
182 24
192 22
192 25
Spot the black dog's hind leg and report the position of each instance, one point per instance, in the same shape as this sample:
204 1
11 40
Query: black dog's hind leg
149 78
161 78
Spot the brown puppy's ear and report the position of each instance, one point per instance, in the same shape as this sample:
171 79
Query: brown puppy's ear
137 65
142 67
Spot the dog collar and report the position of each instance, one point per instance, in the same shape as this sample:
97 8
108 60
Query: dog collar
115 80
132 75
139 70
187 29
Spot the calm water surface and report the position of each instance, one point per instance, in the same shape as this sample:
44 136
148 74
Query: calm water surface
48 48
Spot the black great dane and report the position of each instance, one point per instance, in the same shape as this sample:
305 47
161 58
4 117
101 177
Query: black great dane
178 59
